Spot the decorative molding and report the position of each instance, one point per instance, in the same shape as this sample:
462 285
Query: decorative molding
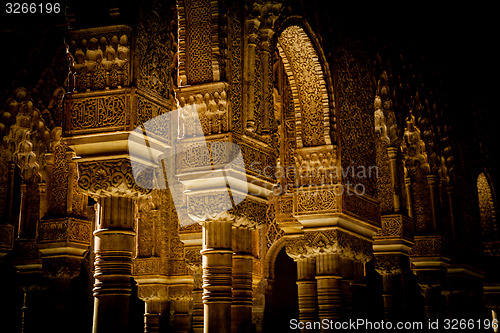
430 246
67 229
108 178
6 238
99 112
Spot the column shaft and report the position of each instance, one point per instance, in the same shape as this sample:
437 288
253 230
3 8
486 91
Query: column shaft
217 263
197 302
328 277
392 295
307 291
114 246
181 315
155 311
241 308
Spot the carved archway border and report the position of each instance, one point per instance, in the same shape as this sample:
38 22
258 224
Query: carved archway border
308 85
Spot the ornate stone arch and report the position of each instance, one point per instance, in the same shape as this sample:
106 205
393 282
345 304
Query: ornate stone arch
306 76
487 213
306 141
270 261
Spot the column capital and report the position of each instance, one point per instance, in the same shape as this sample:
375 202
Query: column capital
432 180
104 178
152 291
388 264
392 152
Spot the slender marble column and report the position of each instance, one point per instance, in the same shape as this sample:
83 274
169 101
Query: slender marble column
265 37
197 301
392 152
307 290
433 189
181 315
392 295
217 280
249 72
114 246
328 276
155 311
241 309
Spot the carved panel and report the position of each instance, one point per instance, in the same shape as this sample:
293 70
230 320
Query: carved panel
193 257
296 248
208 204
253 210
429 246
79 231
355 95
209 106
319 200
192 228
107 112
487 212
385 189
396 226
61 267
421 200
59 185
100 58
212 154
148 109
156 46
146 266
316 166
414 149
5 184
53 231
235 70
179 292
6 237
390 263
146 228
361 207
198 25
284 207
64 230
273 231
259 161
147 292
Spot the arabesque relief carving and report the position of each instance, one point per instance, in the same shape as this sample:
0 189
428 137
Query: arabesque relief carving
100 60
108 177
308 87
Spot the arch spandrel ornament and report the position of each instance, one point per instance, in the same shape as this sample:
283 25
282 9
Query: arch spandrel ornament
309 92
